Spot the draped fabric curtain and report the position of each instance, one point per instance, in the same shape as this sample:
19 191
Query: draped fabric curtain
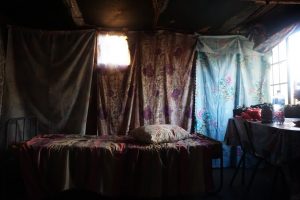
116 95
156 88
275 39
228 74
48 75
2 64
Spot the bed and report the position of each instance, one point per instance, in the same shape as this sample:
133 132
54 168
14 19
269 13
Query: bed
117 166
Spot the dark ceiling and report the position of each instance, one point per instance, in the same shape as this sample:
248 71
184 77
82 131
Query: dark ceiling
202 16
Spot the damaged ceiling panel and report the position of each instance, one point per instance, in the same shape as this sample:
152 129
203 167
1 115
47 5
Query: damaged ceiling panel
212 17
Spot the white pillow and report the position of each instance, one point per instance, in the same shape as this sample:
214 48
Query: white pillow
159 133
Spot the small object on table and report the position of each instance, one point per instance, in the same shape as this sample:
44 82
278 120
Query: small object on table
250 113
267 113
297 123
279 117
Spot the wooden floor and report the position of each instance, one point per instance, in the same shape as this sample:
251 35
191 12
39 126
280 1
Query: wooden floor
260 190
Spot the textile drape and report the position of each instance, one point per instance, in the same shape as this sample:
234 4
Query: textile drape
2 63
116 95
275 39
48 75
156 88
228 74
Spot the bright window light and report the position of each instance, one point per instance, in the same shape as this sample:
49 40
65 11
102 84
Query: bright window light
294 47
113 50
285 68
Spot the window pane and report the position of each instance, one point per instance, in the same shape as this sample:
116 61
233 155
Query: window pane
271 76
272 90
113 50
297 84
283 72
284 92
282 50
275 54
275 89
276 74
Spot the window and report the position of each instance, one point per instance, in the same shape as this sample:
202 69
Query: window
285 68
113 50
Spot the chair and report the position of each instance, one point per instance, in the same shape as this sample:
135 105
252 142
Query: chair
244 137
16 130
244 134
292 111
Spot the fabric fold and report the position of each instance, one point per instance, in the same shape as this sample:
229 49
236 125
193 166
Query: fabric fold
48 75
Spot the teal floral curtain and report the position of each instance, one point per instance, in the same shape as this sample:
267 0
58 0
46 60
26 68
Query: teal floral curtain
228 74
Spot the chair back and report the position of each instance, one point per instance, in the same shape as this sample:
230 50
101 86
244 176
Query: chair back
243 134
20 129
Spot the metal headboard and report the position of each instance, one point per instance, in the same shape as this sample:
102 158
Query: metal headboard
19 129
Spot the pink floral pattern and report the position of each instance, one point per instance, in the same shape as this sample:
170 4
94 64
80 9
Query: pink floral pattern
173 65
148 70
169 69
147 113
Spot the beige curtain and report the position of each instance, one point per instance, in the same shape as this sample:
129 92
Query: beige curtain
157 88
48 75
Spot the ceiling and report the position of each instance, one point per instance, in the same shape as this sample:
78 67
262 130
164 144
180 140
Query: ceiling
211 17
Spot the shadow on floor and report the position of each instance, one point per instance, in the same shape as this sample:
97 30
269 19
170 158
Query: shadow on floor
261 190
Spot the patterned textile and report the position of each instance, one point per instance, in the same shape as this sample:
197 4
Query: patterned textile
228 74
156 88
53 79
159 133
117 166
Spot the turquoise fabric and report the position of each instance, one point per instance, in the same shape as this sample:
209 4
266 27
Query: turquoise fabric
228 74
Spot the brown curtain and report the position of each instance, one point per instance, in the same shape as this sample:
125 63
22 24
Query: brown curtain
48 75
157 88
2 63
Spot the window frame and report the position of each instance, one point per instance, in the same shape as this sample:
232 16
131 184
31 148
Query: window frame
289 83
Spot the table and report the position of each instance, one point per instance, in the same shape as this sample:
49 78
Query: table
278 143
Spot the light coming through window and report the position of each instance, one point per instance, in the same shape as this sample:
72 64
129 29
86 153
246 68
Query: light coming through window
285 68
113 50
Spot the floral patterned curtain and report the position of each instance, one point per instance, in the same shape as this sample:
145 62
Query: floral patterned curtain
156 88
116 95
228 74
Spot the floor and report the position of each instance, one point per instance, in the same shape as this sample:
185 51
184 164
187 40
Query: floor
261 189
